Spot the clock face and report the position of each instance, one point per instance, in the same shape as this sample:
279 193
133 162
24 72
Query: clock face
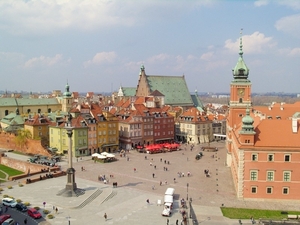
241 91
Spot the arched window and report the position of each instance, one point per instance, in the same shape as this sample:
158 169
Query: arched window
28 110
39 110
6 112
49 110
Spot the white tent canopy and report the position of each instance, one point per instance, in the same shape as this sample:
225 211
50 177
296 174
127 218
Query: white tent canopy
110 155
104 153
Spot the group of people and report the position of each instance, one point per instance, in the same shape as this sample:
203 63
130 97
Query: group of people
206 173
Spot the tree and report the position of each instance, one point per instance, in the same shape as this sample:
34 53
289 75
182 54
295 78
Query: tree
22 136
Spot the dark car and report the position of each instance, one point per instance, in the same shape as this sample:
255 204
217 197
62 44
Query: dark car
21 207
4 217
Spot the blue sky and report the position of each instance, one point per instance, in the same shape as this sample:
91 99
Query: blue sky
99 45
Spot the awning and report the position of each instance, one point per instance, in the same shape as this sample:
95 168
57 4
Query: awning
163 139
82 148
108 145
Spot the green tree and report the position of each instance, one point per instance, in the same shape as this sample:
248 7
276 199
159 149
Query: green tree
22 136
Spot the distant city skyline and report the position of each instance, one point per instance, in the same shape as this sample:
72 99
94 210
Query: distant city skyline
100 45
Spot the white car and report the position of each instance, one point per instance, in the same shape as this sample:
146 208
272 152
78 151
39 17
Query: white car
9 202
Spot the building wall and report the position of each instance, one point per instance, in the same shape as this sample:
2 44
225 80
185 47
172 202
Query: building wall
262 165
7 141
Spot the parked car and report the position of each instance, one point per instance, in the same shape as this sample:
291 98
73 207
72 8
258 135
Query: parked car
32 212
9 202
21 207
4 217
9 221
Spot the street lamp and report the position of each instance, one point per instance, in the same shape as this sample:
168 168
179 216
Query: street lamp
187 191
68 218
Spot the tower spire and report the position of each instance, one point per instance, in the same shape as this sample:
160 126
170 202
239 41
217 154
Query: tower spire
241 43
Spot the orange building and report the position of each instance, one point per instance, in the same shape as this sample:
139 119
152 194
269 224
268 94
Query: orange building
263 143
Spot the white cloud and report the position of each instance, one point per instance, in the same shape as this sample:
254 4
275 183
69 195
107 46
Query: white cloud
293 4
101 58
158 58
43 60
289 24
254 43
260 3
44 16
207 56
290 52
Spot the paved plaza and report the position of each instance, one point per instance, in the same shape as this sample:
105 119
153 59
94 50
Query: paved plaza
127 204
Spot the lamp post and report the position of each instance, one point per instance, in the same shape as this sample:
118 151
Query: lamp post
187 191
69 221
191 208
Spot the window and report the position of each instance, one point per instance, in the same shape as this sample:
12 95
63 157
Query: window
270 175
253 175
285 190
270 157
269 190
253 190
287 176
254 157
287 158
40 128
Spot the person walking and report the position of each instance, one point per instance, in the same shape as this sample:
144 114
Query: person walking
153 175
177 222
56 210
105 216
167 221
25 221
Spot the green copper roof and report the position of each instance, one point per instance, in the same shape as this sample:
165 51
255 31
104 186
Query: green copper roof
27 101
197 102
174 89
129 91
240 71
67 93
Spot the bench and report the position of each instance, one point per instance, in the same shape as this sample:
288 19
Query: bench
292 216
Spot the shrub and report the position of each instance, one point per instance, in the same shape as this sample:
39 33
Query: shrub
5 196
36 207
27 203
45 211
18 200
9 187
1 189
50 216
21 185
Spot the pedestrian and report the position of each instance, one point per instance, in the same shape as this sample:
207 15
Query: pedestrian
134 169
161 159
154 166
82 168
153 175
148 201
153 187
174 180
160 183
105 216
6 208
53 207
16 223
177 222
167 221
127 158
25 221
166 182
56 210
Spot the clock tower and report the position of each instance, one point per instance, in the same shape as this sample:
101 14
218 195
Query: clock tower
240 96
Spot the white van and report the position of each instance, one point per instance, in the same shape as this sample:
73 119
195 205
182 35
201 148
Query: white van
170 191
168 202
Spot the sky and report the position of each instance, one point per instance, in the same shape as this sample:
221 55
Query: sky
100 45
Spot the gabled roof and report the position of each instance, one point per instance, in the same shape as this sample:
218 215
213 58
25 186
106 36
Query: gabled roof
38 120
174 88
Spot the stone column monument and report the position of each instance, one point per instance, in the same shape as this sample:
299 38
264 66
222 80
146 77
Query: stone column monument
71 187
